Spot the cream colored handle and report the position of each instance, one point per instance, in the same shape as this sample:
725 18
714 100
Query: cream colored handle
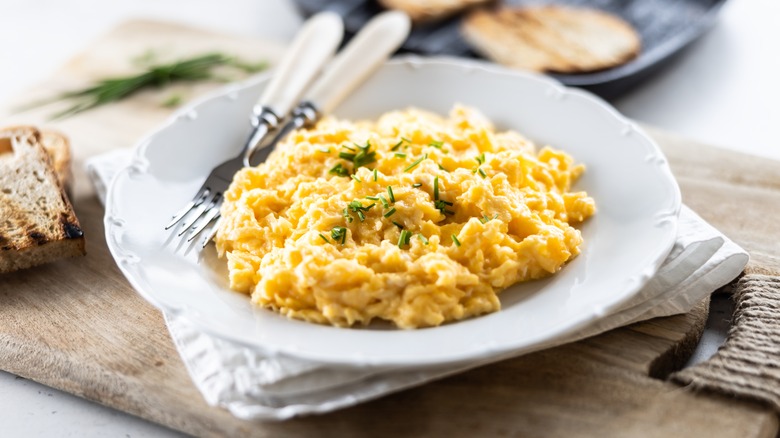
313 46
364 54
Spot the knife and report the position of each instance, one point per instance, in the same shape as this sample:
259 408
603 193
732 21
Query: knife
369 49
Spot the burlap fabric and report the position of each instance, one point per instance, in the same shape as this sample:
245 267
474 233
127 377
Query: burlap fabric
748 363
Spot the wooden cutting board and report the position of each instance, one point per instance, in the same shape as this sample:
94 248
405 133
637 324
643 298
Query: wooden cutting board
78 326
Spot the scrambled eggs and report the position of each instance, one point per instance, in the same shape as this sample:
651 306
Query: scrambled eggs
414 219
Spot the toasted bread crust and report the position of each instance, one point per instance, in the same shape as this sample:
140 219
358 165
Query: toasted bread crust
57 146
39 224
423 11
552 38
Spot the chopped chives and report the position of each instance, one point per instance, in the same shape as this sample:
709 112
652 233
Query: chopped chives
415 185
480 158
400 155
390 193
324 238
423 238
339 234
401 226
390 212
416 162
339 170
442 168
436 188
455 239
436 144
348 147
355 178
384 201
347 216
403 239
347 156
374 174
397 145
406 139
485 219
482 173
358 208
373 198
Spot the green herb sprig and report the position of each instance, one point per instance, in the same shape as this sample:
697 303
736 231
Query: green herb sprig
339 234
104 91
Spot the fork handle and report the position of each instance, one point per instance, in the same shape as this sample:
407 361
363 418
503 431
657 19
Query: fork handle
312 47
364 54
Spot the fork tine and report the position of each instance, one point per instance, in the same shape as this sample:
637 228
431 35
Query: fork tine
198 212
213 231
210 216
203 209
196 201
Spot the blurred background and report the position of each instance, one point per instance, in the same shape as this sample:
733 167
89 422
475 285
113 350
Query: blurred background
708 71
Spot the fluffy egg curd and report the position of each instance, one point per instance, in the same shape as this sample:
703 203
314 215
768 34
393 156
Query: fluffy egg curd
414 218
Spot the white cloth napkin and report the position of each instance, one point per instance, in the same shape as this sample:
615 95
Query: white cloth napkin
256 387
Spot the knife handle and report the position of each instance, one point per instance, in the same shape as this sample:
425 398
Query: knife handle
312 47
364 54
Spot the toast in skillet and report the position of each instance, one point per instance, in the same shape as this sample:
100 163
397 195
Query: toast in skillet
423 11
551 38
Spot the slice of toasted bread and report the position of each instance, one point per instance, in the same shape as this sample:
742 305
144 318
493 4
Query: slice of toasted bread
58 147
421 11
552 38
38 224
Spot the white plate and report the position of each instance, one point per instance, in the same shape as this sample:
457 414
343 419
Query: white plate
638 202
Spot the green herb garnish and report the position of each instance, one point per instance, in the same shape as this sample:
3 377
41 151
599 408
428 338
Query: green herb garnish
423 238
339 170
383 201
480 158
346 215
482 173
406 139
355 178
415 185
339 234
455 239
442 206
436 188
485 219
373 198
401 226
403 239
359 209
418 161
324 238
362 157
400 155
374 174
390 212
390 193
436 144
442 168
397 145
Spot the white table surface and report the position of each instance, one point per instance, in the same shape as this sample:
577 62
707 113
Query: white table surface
722 91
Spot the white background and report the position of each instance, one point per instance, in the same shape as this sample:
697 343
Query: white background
723 91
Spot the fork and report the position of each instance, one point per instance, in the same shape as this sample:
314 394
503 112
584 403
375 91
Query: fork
381 36
314 45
